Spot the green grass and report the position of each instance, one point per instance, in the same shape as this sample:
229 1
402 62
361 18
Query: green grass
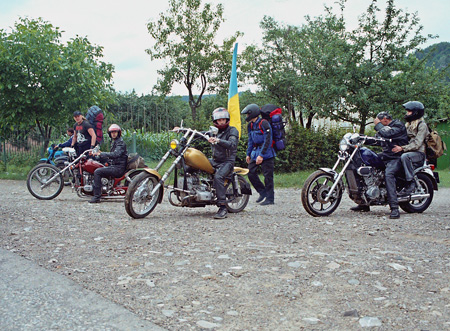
285 180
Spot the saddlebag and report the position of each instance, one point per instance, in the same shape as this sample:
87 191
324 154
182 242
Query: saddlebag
135 161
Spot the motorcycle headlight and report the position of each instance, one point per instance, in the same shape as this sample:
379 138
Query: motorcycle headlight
174 144
343 145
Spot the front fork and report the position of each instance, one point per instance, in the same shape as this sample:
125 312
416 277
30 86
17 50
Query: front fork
338 176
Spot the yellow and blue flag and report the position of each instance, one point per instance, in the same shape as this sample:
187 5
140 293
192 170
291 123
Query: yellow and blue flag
233 96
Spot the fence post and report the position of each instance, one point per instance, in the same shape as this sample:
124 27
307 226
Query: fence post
4 154
133 145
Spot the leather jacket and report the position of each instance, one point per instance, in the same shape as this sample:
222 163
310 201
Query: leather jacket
226 148
118 154
396 131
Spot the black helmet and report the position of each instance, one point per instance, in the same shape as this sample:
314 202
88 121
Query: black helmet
417 109
384 114
252 110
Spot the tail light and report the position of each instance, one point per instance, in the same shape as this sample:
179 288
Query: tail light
432 166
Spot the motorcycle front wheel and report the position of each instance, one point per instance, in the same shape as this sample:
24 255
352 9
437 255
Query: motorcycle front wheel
39 176
67 177
314 191
138 200
419 206
238 203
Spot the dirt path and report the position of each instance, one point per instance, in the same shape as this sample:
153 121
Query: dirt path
263 269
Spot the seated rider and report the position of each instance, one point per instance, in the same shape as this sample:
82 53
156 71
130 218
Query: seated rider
224 149
414 151
118 157
68 143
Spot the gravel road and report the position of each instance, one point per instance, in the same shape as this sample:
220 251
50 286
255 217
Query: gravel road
266 268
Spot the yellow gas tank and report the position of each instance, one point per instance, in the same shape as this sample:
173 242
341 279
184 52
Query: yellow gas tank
196 159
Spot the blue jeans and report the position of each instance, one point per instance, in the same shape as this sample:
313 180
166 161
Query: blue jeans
392 168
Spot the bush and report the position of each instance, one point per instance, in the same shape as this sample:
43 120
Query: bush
308 149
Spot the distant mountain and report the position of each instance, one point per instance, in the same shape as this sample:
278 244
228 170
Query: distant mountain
439 57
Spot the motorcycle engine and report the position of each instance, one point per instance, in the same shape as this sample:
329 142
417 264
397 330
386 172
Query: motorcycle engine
373 178
88 180
196 187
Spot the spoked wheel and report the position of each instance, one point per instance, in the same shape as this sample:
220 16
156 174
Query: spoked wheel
238 203
419 206
39 185
138 201
314 191
66 176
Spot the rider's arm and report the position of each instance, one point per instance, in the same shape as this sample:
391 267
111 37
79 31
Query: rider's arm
267 136
118 152
232 141
93 136
416 142
389 132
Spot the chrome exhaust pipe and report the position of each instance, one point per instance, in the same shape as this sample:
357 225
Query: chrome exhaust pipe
414 197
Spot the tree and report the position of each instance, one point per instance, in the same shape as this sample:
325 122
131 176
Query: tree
185 35
323 70
42 80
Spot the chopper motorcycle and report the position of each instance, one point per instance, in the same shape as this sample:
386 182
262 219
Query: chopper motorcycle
193 180
363 170
46 181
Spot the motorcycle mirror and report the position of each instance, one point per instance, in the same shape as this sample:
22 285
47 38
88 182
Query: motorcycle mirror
354 127
181 125
213 130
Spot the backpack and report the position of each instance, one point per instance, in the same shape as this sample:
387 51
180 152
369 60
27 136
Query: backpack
95 117
435 146
272 114
135 161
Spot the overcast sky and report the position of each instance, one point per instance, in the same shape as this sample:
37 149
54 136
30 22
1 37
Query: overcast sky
120 26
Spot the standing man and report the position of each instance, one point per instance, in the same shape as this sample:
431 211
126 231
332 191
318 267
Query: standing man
84 137
414 151
260 153
388 128
118 158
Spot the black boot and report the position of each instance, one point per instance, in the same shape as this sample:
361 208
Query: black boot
261 198
221 213
362 208
267 202
408 189
395 213
94 200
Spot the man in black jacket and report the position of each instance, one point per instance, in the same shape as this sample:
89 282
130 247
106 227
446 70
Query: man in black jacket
224 149
395 130
118 156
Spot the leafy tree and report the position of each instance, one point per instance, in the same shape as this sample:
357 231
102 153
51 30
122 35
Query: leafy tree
42 80
321 70
185 35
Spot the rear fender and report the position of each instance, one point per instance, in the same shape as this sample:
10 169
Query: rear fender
241 171
429 173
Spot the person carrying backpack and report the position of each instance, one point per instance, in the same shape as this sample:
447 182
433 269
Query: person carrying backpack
414 151
260 153
84 137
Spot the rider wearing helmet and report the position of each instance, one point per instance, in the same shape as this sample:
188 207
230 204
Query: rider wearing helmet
260 153
224 149
392 129
117 157
414 151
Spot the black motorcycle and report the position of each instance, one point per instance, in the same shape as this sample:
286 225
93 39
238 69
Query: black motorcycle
363 171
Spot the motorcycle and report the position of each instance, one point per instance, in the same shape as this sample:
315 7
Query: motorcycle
192 180
45 181
57 158
364 176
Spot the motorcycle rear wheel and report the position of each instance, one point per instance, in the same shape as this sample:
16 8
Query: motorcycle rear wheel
138 201
40 175
419 206
316 187
239 203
